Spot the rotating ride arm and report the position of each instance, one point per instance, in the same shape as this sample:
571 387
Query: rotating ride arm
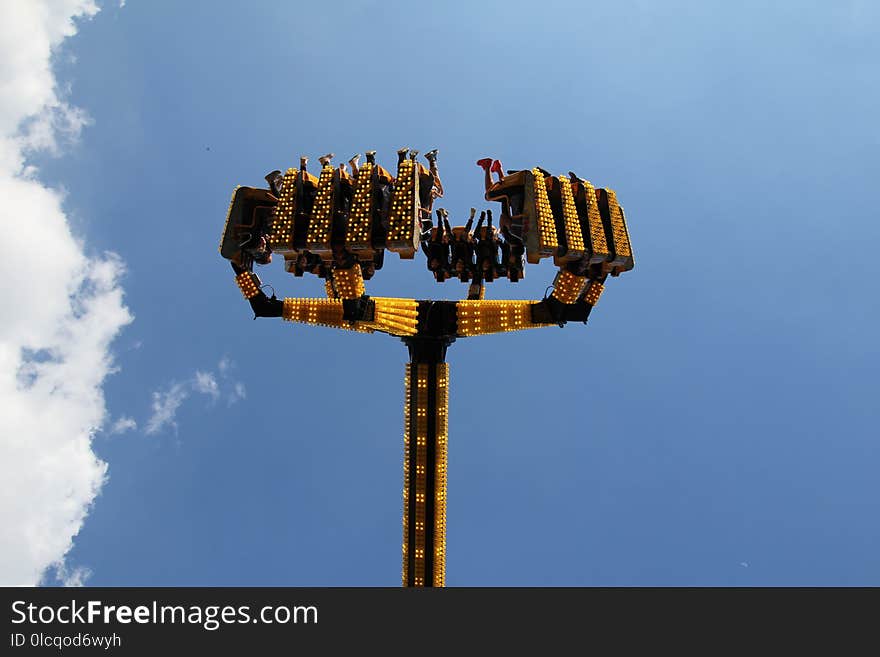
409 317
338 227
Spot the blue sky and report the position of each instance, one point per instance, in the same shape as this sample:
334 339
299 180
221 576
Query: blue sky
714 424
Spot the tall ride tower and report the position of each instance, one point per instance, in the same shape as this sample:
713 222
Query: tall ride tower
339 225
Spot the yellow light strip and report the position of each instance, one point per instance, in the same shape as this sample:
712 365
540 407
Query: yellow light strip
421 471
249 284
349 282
406 474
483 317
320 312
360 219
594 291
228 214
623 257
568 287
328 287
395 316
547 242
318 238
618 228
280 233
441 424
402 215
572 225
598 243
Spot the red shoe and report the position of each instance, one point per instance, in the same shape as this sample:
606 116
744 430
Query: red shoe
496 167
485 163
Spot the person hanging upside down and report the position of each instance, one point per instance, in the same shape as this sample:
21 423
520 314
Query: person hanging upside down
489 165
430 186
508 190
488 245
512 255
353 162
431 156
437 249
463 249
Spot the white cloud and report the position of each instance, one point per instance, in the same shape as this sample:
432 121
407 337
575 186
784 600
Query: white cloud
77 576
165 405
66 576
121 425
167 402
206 384
63 310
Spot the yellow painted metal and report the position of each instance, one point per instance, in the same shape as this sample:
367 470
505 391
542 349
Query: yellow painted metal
441 432
568 287
483 317
318 237
249 284
594 291
573 235
320 312
349 283
280 234
360 218
402 236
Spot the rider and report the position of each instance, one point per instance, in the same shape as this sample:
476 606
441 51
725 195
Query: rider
488 245
463 249
435 243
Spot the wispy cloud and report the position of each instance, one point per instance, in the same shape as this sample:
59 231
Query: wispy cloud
122 425
55 346
63 574
206 384
167 401
165 406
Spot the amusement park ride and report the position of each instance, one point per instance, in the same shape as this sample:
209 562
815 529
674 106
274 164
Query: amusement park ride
338 226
